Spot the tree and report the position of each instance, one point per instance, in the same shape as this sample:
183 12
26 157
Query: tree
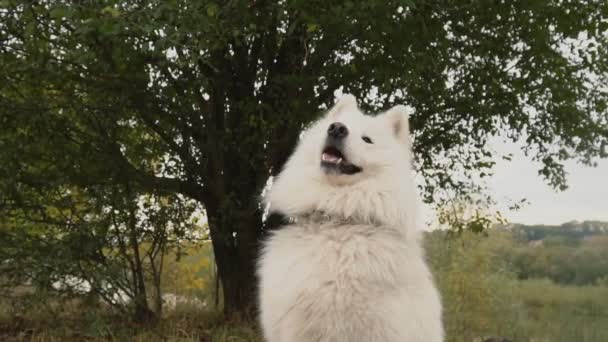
102 243
206 98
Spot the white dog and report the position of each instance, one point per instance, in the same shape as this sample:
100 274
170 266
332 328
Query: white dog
349 267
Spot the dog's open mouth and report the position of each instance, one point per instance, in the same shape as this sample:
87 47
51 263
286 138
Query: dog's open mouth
333 161
332 155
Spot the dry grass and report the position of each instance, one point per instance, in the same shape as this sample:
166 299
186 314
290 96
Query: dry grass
73 323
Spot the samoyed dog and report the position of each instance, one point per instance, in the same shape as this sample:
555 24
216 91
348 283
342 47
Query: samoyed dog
348 267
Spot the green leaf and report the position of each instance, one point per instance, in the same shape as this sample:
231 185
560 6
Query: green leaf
112 11
311 27
59 12
212 9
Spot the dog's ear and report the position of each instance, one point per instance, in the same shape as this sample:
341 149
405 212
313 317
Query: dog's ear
398 119
346 103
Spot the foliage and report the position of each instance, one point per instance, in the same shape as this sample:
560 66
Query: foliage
572 231
483 296
475 285
206 99
573 253
469 213
109 245
193 275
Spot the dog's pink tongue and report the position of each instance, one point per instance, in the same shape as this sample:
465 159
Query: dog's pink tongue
326 157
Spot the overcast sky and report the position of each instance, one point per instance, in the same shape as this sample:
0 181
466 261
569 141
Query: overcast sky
585 199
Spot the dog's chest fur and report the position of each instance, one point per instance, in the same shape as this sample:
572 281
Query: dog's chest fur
343 279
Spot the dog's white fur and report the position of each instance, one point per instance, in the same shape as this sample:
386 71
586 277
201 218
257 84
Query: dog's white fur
356 273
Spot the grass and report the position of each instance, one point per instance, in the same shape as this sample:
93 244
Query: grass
559 313
546 312
78 323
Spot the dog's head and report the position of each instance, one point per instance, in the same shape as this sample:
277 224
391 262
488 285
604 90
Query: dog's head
355 146
346 153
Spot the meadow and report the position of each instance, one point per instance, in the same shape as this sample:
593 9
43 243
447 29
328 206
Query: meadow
506 283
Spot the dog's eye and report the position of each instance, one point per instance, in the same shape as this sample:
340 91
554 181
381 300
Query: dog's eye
367 140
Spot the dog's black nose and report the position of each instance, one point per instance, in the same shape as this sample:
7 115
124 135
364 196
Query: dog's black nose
337 130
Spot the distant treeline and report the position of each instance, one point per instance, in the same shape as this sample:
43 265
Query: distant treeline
573 253
572 230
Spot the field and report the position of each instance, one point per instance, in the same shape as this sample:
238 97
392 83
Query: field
485 289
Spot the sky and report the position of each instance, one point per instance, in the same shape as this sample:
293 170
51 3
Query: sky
585 199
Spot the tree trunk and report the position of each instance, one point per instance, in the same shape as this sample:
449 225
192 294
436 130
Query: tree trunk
235 237
142 312
157 273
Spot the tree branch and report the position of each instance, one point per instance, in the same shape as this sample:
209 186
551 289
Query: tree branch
151 182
